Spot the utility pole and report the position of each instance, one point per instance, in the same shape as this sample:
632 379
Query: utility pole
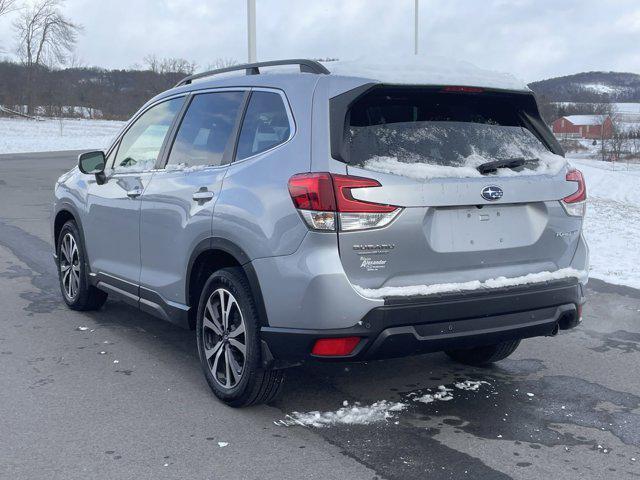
251 29
415 41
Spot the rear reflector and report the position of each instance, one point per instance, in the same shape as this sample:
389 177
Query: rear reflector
335 347
325 202
575 204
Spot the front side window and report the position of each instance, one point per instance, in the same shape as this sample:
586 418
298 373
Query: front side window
141 145
206 129
265 125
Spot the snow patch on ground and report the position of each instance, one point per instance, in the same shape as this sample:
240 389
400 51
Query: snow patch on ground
22 135
424 70
444 393
353 415
471 385
549 164
413 290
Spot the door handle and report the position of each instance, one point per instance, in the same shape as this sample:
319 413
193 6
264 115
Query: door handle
202 196
134 192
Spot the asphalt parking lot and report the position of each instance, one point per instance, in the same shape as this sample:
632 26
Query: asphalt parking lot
125 398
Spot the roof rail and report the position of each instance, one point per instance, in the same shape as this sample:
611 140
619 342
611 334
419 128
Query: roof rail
306 66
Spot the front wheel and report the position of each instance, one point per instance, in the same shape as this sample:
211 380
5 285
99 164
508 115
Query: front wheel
483 356
228 340
77 293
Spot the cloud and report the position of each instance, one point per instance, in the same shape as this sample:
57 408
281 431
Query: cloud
532 39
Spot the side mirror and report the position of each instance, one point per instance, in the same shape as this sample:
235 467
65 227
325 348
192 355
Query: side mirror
93 163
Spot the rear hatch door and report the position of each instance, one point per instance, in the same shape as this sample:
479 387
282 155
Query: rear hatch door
477 184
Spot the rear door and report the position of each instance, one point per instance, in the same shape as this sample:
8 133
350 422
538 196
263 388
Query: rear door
177 206
456 224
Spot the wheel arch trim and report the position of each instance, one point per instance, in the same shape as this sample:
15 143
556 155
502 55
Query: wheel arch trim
235 251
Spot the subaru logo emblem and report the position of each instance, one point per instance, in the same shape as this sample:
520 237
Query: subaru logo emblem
492 193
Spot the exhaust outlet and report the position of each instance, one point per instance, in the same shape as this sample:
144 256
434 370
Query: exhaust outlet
556 329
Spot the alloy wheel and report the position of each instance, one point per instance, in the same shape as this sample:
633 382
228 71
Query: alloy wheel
70 266
224 338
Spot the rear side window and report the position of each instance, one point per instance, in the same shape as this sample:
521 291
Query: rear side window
206 129
397 126
265 125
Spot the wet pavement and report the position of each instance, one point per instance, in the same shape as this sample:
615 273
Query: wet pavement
124 398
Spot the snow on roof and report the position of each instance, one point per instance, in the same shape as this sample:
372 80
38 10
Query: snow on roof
425 70
585 119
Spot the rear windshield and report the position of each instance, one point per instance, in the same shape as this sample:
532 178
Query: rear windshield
435 128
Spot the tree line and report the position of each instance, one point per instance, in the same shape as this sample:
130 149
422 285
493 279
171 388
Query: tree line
49 80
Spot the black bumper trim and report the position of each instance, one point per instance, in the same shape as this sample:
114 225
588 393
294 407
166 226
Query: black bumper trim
411 326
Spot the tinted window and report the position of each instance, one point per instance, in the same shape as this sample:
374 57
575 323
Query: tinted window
265 124
409 126
206 129
141 145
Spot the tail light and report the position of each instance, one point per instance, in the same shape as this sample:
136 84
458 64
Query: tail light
576 203
325 202
335 347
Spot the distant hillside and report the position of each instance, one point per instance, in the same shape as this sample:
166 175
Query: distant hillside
590 87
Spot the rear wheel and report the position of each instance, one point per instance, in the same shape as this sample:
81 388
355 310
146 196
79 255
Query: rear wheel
78 294
228 340
481 356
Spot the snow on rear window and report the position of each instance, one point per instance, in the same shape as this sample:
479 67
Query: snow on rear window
426 134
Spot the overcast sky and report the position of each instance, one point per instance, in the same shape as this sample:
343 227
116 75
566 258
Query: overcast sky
532 39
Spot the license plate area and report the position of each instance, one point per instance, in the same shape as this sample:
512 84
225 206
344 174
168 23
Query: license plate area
489 227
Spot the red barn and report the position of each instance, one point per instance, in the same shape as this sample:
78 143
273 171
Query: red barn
583 126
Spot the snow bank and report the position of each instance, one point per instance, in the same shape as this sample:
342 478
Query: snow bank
425 70
353 415
21 135
548 165
413 290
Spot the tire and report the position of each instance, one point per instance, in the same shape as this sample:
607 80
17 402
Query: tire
483 356
236 378
76 291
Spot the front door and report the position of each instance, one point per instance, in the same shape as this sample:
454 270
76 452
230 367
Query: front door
112 225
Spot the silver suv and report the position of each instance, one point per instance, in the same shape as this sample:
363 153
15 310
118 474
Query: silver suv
297 216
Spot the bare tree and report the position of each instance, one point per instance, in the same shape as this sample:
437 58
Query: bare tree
618 140
605 112
46 38
7 6
222 62
169 65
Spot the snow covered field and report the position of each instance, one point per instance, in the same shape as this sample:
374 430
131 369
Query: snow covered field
612 223
21 135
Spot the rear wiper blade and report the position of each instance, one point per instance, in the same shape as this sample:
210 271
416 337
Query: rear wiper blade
490 167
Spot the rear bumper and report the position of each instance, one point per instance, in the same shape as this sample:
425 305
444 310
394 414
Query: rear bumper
409 326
